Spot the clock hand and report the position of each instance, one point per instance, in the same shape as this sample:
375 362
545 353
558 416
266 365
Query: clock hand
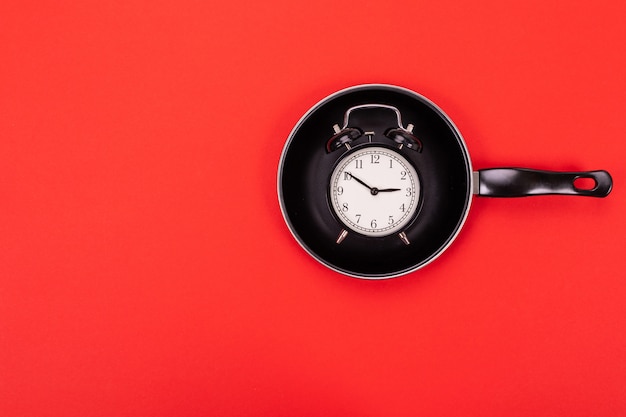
373 190
360 181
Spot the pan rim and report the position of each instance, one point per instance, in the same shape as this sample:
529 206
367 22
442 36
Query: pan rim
468 191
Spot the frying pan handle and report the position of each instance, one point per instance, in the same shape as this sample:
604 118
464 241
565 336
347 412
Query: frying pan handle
521 182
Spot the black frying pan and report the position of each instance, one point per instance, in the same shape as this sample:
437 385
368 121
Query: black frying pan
445 170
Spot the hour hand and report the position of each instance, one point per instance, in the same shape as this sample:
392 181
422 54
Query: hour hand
388 190
359 181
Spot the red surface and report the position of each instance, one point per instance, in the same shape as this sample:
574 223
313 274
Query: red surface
145 269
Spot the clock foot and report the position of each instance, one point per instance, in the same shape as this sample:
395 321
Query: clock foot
403 238
342 236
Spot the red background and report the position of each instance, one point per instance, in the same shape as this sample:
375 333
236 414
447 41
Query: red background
145 268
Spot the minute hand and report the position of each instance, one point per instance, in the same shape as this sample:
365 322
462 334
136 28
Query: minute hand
388 189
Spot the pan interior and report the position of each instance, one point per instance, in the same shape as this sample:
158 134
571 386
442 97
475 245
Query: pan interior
443 166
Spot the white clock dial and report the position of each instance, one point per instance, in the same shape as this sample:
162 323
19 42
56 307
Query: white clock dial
374 191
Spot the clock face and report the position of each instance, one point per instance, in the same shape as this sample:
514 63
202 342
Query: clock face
374 191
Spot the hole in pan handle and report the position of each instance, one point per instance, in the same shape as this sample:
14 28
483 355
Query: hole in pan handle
522 182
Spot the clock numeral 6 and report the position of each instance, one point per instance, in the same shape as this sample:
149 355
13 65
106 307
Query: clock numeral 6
373 224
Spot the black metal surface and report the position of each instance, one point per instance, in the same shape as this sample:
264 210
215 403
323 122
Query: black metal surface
443 167
341 138
441 161
405 139
521 182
